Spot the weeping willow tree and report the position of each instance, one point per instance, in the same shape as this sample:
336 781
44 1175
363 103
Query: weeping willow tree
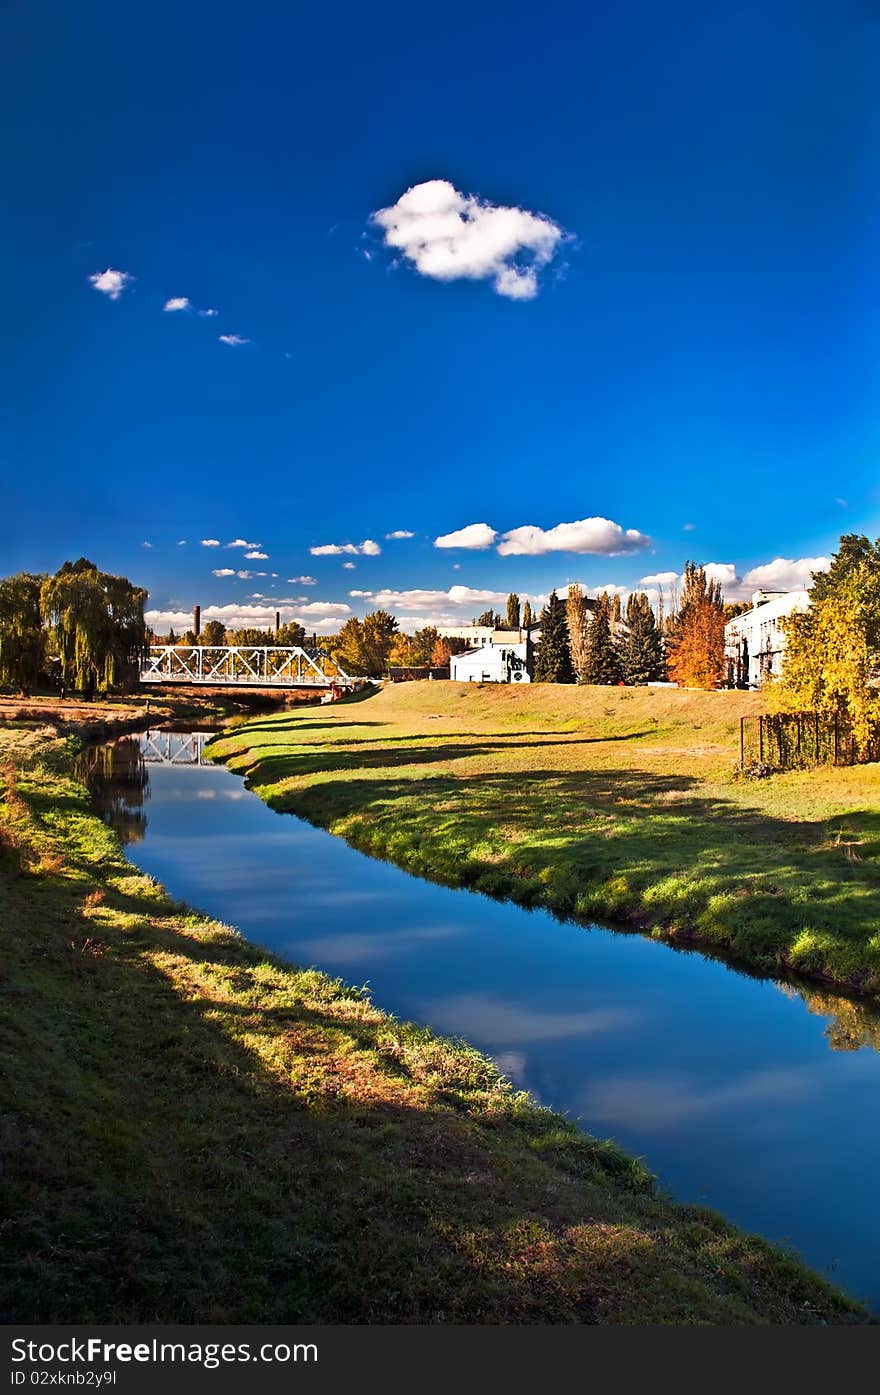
22 637
96 626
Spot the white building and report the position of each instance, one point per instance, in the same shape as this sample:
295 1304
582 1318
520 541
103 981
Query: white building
755 641
493 663
476 635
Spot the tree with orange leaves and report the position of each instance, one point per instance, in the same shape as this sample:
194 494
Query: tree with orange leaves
695 649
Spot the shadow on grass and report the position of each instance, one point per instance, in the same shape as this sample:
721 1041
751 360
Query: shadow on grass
194 1134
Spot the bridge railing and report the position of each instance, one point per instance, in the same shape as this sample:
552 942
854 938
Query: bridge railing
263 665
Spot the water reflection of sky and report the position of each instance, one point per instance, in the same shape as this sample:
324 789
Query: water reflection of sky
726 1085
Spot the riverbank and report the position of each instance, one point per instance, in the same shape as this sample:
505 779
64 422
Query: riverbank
609 803
110 716
197 1132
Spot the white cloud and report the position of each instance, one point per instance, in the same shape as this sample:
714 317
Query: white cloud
208 314
238 616
111 283
688 527
335 609
210 542
182 542
233 339
257 556
659 579
240 542
177 302
725 572
146 544
465 597
783 574
302 580
595 535
476 536
400 533
447 235
349 566
367 548
224 571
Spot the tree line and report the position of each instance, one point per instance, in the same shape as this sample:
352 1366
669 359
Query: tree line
84 630
604 642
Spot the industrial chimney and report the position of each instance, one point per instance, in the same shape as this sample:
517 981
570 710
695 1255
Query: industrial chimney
197 621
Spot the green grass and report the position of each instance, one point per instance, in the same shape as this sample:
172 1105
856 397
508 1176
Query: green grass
193 1131
617 804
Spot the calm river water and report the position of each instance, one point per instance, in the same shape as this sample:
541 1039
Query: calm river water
750 1096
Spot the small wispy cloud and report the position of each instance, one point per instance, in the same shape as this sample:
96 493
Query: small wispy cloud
349 566
111 283
257 556
223 571
688 527
146 544
367 548
208 314
182 542
233 339
210 542
240 542
302 581
400 533
177 302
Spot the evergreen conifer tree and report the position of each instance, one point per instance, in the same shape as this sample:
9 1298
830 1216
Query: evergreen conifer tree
513 611
640 650
527 618
553 662
600 662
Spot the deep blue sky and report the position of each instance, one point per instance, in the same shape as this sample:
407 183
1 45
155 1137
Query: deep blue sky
702 350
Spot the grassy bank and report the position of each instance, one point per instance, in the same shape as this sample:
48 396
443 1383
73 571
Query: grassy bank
193 1131
614 803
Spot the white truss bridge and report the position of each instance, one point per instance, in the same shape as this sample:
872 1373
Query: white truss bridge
241 666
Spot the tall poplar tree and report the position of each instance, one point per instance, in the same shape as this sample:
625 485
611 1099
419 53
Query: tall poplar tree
513 611
578 616
553 660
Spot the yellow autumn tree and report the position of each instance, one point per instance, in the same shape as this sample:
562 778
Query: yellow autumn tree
695 648
832 655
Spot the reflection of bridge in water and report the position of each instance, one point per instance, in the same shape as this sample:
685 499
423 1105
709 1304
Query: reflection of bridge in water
173 747
244 666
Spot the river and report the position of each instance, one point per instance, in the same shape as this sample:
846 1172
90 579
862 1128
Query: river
752 1096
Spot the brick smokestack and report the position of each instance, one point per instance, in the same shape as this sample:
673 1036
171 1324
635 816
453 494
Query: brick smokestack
277 621
197 620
